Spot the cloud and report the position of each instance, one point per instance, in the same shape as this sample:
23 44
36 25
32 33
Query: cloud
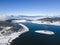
3 17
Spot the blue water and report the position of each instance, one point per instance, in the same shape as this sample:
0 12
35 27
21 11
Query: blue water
33 38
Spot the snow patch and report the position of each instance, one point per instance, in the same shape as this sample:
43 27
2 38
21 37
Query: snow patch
45 32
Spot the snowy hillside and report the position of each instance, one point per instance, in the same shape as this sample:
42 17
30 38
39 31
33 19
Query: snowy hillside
10 31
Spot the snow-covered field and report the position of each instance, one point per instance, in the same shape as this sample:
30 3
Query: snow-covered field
48 23
4 40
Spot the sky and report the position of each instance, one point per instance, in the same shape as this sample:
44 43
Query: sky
30 7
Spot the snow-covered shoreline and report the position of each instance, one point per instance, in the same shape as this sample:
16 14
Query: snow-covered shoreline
4 40
38 22
48 23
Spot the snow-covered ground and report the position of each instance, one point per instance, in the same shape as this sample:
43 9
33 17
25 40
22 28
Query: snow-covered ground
48 23
4 40
38 22
15 21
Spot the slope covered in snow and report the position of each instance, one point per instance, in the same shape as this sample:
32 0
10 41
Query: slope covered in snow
10 31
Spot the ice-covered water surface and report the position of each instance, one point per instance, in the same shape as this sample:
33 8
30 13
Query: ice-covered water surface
45 32
7 33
